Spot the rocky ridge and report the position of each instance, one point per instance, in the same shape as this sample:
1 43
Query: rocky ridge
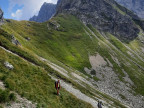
104 15
46 12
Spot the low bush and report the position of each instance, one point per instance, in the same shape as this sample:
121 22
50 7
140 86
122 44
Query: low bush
6 96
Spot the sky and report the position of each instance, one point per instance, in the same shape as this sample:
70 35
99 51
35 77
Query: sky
22 9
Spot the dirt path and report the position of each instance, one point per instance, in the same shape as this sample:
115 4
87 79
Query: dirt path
16 55
80 80
78 93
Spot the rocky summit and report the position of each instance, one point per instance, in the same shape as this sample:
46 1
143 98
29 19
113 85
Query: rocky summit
46 12
102 14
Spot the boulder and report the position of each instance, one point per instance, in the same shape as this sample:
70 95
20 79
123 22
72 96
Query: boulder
28 38
28 25
15 41
54 25
7 20
8 65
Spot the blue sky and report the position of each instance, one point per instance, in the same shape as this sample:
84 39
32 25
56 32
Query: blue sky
22 9
4 6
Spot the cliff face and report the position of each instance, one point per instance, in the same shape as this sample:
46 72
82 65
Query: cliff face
102 14
136 6
46 12
1 16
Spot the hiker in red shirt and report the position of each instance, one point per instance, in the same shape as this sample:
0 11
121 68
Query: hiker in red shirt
57 86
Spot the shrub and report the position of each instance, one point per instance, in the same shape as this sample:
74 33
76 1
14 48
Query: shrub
95 78
12 97
10 84
6 96
93 72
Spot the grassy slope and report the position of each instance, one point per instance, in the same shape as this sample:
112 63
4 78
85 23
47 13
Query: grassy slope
70 45
33 83
27 80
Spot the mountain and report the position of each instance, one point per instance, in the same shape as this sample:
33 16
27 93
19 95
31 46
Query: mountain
137 6
104 15
95 48
46 12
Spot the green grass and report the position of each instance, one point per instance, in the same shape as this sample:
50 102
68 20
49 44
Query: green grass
6 96
95 78
70 45
135 73
33 83
27 84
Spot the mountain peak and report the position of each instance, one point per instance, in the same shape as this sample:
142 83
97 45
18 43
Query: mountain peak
45 3
46 12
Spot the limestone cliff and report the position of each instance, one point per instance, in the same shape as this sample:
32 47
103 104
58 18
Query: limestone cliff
105 15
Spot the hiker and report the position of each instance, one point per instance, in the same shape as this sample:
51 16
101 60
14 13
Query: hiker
57 86
99 104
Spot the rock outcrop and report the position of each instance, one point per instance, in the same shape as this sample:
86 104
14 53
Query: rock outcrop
54 25
1 17
8 65
15 41
46 12
105 15
136 6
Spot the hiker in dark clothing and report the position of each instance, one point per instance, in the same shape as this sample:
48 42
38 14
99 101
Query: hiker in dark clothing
57 86
99 104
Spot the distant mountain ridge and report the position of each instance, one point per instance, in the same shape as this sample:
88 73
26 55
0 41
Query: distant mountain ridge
46 12
136 6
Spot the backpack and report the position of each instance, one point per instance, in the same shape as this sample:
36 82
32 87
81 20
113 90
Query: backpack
99 105
55 84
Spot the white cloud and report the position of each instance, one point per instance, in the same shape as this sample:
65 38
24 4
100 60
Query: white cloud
17 15
30 8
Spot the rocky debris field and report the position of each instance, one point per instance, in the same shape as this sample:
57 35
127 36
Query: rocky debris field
110 84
